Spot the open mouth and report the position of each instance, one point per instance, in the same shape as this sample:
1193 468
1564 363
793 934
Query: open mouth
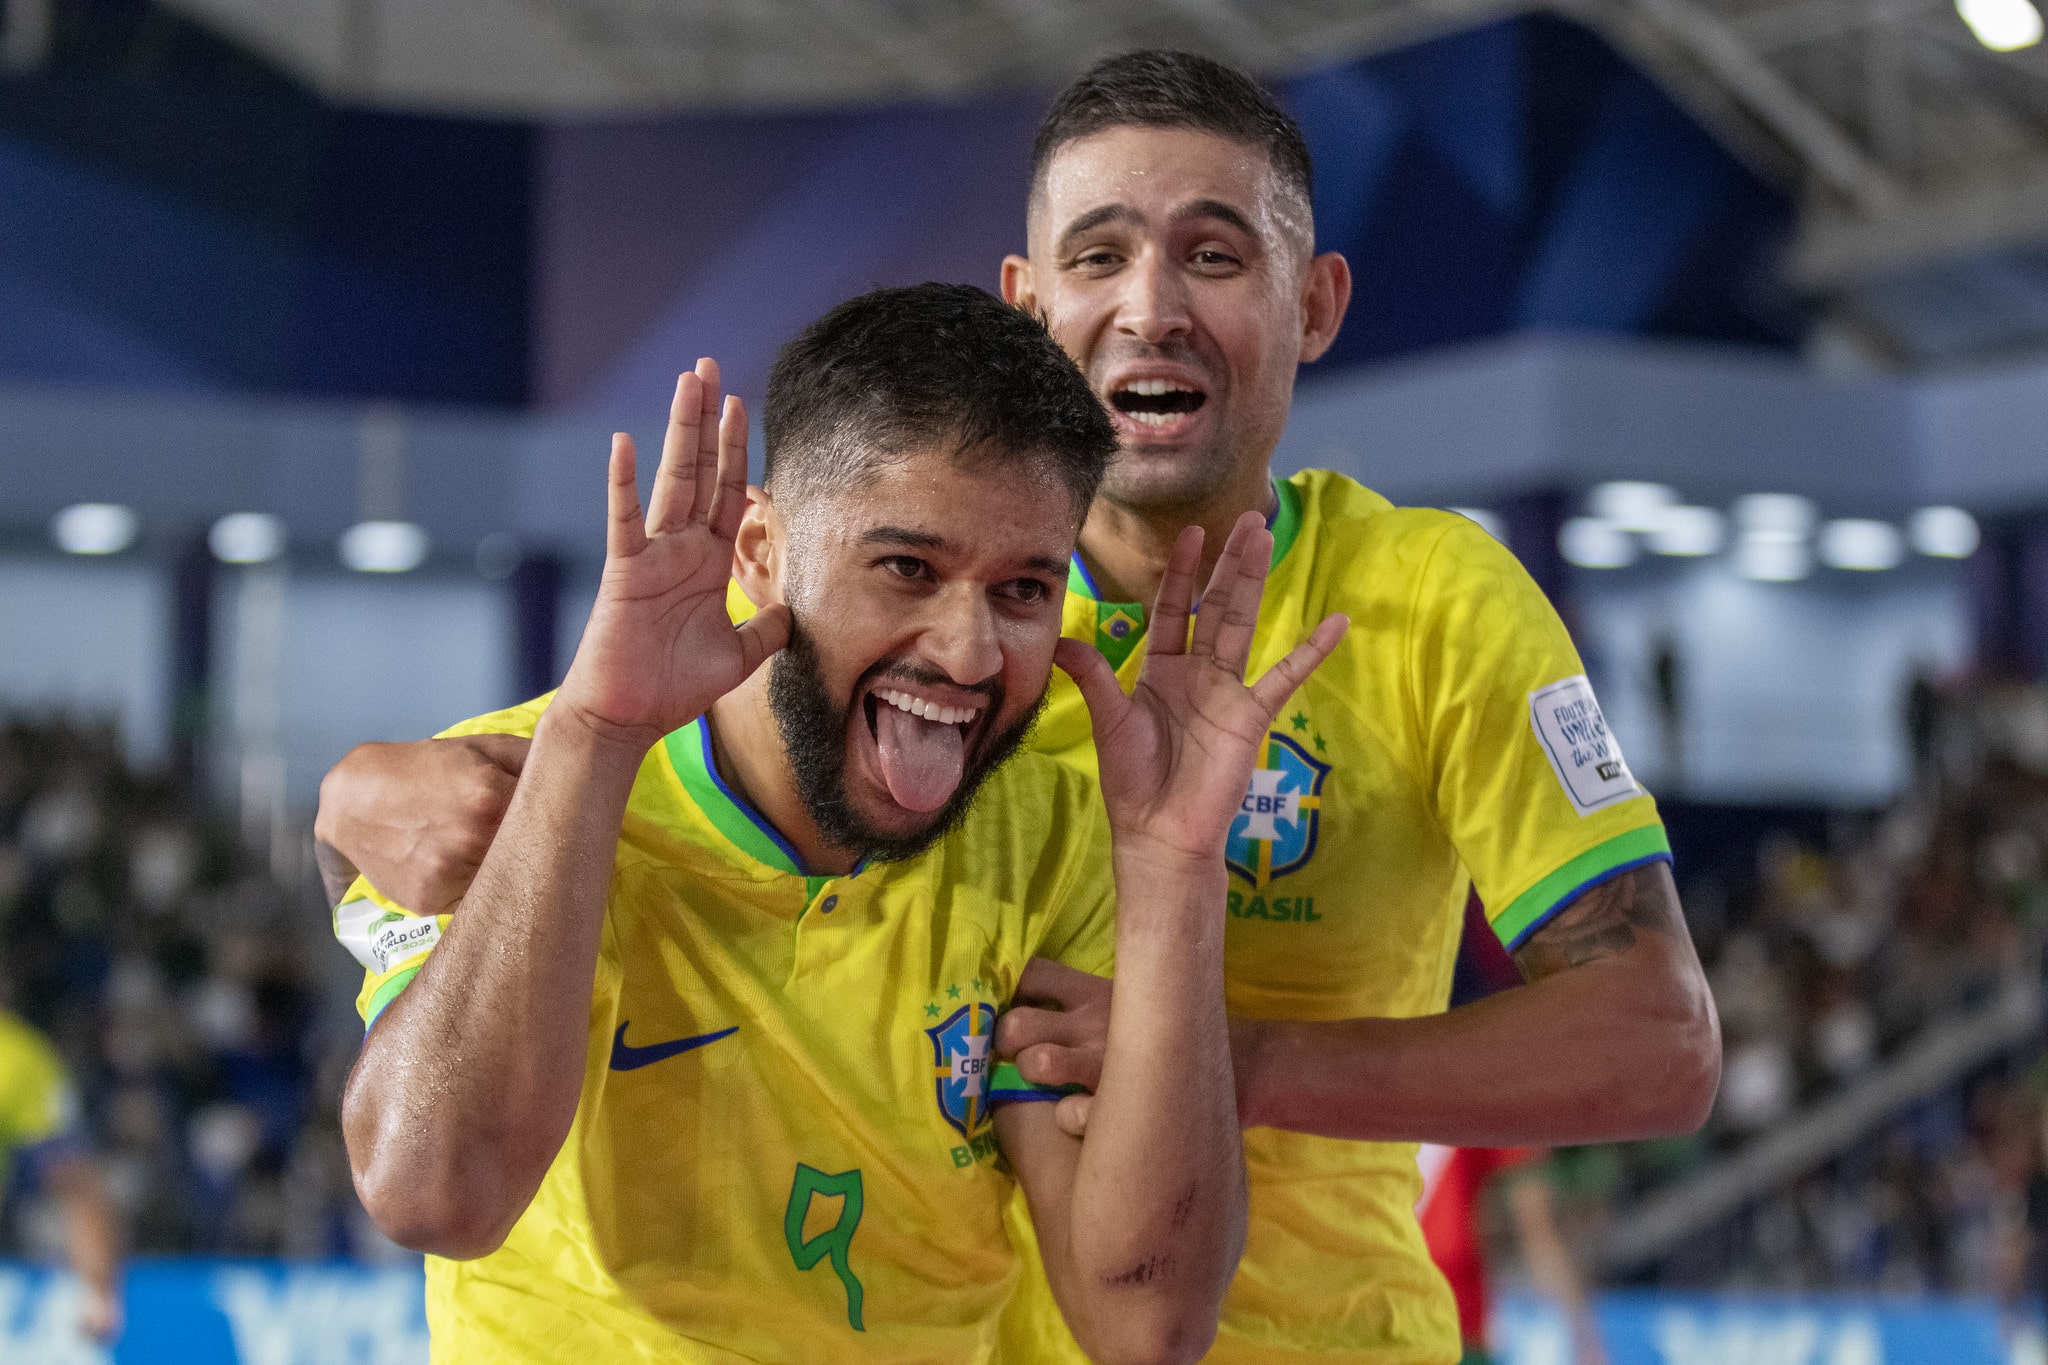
921 744
1157 403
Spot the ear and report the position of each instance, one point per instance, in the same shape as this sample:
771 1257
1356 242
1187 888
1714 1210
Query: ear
757 549
1325 294
1018 289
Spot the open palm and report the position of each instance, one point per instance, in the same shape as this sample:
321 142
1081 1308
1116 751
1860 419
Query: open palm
1177 754
659 647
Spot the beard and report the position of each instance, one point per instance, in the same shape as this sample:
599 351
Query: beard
813 729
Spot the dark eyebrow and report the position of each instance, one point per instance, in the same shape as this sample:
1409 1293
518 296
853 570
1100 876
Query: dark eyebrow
1123 213
1217 209
1095 218
903 536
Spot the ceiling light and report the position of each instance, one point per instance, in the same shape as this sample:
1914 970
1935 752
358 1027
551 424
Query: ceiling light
1630 505
94 528
1596 543
383 546
1777 514
1772 557
246 538
2002 25
1489 521
1689 531
1855 543
1944 532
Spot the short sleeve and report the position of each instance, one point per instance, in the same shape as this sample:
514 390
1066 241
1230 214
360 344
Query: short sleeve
388 940
1080 926
1523 772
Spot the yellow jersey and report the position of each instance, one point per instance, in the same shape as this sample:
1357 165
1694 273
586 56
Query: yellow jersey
1451 741
783 1150
38 1109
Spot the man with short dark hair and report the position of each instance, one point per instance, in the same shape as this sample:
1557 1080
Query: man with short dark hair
1452 743
702 1070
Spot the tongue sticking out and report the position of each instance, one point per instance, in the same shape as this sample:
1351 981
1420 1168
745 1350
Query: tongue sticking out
921 759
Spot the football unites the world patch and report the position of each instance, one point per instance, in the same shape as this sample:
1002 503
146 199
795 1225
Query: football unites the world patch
1582 750
961 1060
1277 823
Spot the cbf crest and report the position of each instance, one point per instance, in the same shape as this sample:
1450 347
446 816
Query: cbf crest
960 1054
1276 826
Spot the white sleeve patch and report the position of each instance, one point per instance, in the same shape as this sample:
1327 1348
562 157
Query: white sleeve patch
1583 753
380 938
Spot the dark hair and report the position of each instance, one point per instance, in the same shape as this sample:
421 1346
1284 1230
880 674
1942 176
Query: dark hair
1161 88
897 369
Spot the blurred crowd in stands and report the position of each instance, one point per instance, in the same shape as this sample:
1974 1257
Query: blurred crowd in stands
1838 945
189 981
187 975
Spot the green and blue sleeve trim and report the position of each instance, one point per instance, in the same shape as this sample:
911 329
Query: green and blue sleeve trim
1006 1085
1534 908
387 993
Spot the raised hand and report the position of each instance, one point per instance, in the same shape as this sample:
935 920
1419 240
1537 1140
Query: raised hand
659 647
1177 754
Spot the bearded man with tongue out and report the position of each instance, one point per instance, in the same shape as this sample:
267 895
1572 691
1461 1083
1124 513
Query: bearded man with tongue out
701 1071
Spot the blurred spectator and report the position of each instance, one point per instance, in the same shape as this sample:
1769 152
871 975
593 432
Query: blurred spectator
39 1128
193 996
1455 1182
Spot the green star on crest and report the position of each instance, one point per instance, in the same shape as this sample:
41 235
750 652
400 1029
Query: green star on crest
1300 720
952 992
931 1011
1322 746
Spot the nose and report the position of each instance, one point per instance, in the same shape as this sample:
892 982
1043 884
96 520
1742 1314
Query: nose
1154 305
960 636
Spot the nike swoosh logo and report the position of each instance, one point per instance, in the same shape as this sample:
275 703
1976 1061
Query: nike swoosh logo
628 1058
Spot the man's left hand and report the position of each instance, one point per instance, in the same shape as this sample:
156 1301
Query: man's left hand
1176 755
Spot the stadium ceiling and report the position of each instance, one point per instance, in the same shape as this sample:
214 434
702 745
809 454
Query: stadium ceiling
1902 139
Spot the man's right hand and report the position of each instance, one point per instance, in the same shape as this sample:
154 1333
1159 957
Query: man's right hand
659 647
417 819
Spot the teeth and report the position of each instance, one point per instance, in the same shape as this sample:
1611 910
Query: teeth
1154 419
1153 387
918 706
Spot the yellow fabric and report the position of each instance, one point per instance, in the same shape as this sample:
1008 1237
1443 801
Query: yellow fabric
660 1231
35 1098
1433 765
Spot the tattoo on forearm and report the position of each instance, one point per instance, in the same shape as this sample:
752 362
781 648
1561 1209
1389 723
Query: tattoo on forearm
1603 921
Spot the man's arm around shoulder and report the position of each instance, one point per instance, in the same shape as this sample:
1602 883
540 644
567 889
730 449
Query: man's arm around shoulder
1612 1037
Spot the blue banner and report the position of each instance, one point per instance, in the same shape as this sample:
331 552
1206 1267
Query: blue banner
190 1312
194 1312
1647 1327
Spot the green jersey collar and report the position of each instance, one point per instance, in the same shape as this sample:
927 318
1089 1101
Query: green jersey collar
1284 522
689 750
1120 625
